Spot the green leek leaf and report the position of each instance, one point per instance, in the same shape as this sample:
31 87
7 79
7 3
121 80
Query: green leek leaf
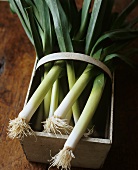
84 20
35 33
115 35
23 18
123 15
61 25
95 24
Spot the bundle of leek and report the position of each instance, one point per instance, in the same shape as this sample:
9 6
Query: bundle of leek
60 20
34 20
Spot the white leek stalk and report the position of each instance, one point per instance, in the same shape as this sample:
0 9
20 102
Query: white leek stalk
64 157
74 93
18 128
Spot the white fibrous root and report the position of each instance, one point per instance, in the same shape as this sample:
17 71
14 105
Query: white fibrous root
89 132
18 128
62 159
56 126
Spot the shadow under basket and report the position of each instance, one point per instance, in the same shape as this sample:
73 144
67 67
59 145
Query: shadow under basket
90 152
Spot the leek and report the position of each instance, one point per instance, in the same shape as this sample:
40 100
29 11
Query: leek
99 40
60 160
65 44
41 36
16 128
64 157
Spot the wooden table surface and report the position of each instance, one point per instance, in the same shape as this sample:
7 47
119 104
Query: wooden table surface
17 57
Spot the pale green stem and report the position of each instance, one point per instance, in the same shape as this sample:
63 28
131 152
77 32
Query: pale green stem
74 93
47 98
41 91
87 113
72 80
37 125
47 101
76 90
68 116
54 98
61 94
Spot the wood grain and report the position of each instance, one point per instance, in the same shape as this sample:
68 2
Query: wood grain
17 57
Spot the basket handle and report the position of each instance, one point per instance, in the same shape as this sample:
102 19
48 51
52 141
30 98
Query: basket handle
73 56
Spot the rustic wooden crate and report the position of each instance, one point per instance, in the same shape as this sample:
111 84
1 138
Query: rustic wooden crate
89 153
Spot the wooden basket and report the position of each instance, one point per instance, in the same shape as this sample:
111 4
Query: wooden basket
90 152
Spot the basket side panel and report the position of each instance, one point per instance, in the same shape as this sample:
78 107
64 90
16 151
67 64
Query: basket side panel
87 154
